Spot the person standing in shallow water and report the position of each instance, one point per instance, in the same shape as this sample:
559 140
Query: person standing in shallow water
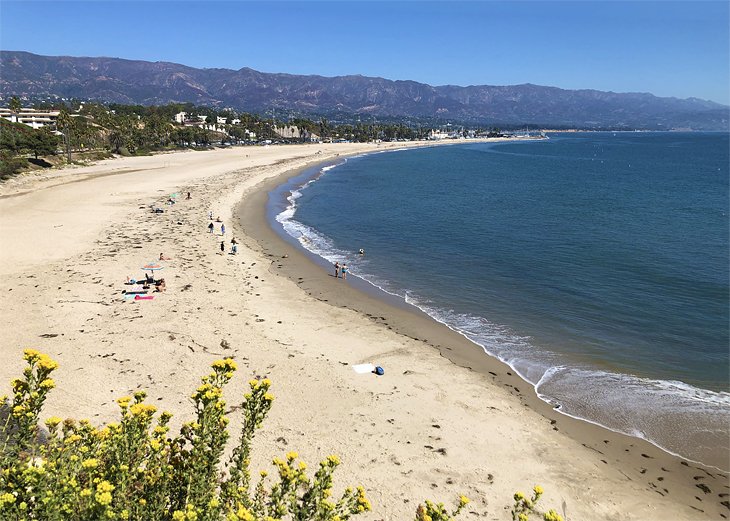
337 270
344 271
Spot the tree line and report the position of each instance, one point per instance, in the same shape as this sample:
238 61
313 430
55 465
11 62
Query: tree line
137 129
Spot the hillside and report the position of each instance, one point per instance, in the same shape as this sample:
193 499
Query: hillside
154 83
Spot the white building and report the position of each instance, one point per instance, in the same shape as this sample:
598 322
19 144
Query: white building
293 132
31 117
180 117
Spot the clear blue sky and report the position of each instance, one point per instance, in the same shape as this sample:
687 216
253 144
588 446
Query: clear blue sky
668 48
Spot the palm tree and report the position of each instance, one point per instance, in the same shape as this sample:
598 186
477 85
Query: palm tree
15 106
64 123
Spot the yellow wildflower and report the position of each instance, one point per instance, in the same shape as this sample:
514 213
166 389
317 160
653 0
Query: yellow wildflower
538 490
46 363
333 460
31 355
103 498
463 501
47 384
6 499
552 515
244 515
140 409
124 401
292 456
519 496
90 463
53 422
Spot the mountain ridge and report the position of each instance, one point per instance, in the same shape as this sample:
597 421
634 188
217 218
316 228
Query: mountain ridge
120 80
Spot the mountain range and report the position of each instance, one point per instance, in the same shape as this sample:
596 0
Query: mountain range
115 80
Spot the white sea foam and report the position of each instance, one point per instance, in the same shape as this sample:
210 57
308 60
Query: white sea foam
677 417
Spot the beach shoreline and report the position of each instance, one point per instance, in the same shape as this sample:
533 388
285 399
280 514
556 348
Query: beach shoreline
437 424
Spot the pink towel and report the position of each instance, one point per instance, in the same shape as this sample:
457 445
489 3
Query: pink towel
145 297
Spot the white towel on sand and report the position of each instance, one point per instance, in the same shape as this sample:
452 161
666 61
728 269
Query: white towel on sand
363 368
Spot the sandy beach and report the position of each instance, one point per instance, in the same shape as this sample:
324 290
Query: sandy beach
444 420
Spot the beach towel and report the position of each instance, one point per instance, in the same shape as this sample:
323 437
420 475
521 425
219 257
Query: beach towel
144 297
363 368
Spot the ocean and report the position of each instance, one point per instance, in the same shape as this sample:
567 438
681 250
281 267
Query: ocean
594 264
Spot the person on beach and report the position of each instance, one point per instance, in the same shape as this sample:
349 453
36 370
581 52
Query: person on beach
345 269
362 251
210 216
223 246
160 286
337 270
188 197
211 227
223 229
162 257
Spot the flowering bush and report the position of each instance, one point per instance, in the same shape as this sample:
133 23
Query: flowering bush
524 507
132 469
438 512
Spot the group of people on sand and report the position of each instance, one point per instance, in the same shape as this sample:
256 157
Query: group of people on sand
211 226
343 269
211 229
234 246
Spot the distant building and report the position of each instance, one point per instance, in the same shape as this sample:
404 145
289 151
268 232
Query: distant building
31 117
294 132
180 117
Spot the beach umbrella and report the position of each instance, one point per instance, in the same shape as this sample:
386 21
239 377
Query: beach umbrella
152 266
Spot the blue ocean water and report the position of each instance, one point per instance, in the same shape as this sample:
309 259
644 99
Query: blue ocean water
596 265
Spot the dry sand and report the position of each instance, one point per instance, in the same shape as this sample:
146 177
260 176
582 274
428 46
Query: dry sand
444 419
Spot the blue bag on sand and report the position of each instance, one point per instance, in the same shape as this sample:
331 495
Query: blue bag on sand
379 371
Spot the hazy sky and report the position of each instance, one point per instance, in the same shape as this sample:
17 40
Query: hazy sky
668 48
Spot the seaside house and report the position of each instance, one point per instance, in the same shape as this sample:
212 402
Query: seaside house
31 117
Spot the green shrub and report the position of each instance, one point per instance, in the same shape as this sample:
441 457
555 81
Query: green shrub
133 469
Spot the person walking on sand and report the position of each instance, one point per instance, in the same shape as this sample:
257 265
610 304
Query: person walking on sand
211 227
223 229
223 246
210 216
344 271
337 270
